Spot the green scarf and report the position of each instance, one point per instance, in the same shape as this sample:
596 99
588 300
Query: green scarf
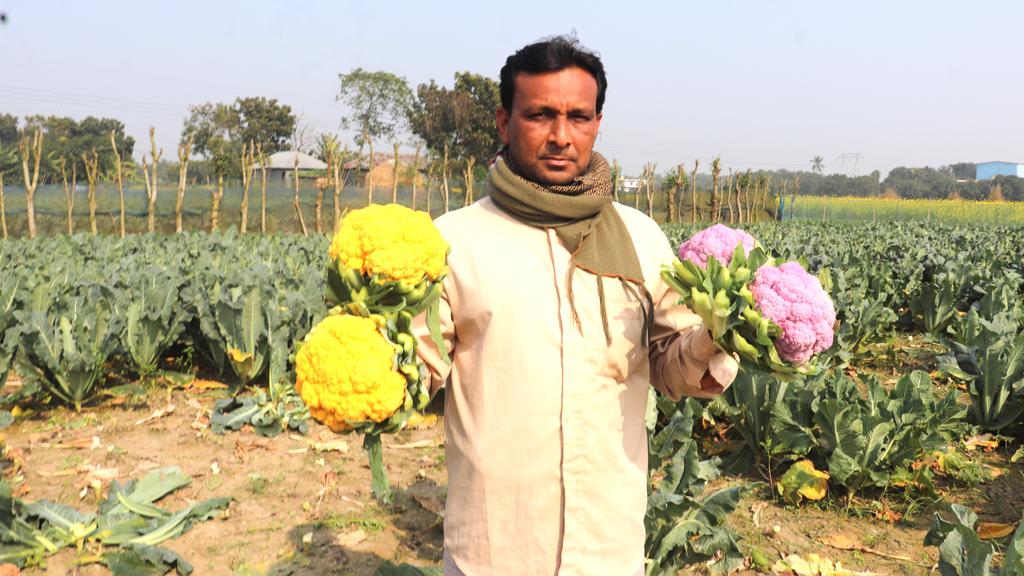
584 219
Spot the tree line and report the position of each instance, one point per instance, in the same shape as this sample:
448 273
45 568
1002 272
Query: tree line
452 131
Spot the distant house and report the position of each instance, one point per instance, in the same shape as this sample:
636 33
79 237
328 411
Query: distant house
629 184
282 164
986 170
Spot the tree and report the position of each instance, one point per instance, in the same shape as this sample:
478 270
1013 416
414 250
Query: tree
458 123
962 170
8 142
378 108
214 130
264 120
303 138
71 139
478 137
817 164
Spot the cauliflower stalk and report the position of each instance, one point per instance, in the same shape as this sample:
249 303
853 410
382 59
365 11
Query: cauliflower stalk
775 316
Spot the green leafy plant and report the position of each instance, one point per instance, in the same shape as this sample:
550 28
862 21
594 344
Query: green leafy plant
748 405
865 438
684 526
128 520
988 354
154 317
963 553
68 336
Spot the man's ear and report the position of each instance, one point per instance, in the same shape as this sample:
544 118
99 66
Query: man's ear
501 119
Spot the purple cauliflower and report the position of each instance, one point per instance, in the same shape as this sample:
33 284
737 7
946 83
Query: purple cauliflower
719 241
792 298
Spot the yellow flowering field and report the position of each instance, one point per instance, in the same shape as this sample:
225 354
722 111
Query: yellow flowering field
886 209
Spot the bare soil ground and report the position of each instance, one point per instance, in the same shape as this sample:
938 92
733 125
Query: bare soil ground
303 504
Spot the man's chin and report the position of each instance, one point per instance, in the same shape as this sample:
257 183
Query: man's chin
549 178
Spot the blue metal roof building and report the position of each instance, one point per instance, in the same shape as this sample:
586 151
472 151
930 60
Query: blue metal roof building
986 170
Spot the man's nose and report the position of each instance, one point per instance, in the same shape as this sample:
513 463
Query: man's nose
559 134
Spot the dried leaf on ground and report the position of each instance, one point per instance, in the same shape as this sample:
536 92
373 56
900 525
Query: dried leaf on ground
414 445
841 541
245 445
349 539
993 530
157 414
814 565
336 445
200 384
802 480
417 420
987 442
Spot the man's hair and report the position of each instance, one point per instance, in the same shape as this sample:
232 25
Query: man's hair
551 55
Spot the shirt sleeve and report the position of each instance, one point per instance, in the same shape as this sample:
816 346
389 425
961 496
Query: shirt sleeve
427 350
681 348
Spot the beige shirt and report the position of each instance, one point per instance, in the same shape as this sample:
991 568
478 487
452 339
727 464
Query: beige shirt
545 443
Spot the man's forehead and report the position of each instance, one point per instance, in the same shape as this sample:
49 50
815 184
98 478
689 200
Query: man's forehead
572 87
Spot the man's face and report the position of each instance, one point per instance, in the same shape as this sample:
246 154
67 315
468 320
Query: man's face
551 128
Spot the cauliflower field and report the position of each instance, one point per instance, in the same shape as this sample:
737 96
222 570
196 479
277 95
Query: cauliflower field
121 355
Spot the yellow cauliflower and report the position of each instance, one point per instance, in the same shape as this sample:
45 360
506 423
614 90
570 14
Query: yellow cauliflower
392 241
345 373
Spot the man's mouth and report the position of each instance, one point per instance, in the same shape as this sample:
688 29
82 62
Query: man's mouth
556 161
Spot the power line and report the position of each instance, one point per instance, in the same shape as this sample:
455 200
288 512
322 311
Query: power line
72 98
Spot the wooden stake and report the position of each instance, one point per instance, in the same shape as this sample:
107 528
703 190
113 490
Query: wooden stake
394 178
693 192
151 183
69 191
3 212
119 178
92 169
184 151
31 150
295 201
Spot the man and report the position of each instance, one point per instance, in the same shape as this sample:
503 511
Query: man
557 323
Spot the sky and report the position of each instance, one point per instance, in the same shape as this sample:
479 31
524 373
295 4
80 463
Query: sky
867 85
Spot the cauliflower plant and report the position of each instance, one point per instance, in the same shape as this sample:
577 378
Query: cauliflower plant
345 373
794 300
391 241
775 317
719 241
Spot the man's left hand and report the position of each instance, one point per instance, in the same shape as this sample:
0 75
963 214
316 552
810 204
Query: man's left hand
722 369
